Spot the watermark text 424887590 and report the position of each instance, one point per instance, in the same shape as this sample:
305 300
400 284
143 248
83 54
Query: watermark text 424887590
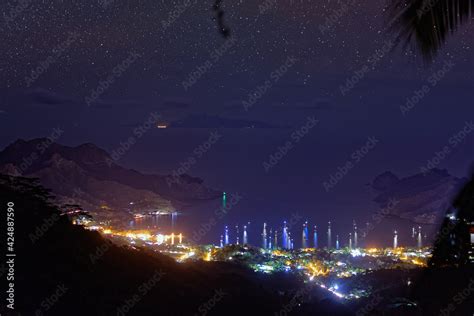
10 255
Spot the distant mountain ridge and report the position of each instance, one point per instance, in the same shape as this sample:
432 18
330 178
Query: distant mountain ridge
87 175
422 198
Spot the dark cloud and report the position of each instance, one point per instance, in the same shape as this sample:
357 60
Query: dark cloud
116 104
176 103
319 103
213 121
42 97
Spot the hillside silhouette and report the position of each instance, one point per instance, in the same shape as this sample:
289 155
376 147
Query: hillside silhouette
63 269
84 274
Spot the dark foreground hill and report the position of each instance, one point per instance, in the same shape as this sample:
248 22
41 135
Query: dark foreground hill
62 269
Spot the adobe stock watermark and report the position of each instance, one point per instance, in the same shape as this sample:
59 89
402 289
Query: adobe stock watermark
197 154
16 11
295 137
266 6
295 218
334 17
142 290
432 81
10 254
49 302
202 69
137 133
372 62
117 72
100 251
43 228
427 6
453 142
262 89
207 306
105 3
369 308
445 231
301 295
41 147
176 13
76 194
458 299
44 65
219 214
378 216
356 157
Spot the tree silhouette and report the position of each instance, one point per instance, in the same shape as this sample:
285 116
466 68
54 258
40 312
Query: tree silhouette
428 23
223 29
453 240
424 23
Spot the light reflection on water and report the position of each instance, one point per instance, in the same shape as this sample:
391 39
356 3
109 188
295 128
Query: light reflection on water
152 222
189 219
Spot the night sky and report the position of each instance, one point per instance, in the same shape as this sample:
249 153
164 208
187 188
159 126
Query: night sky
78 45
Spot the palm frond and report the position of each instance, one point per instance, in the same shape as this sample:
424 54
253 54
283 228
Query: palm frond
428 23
223 29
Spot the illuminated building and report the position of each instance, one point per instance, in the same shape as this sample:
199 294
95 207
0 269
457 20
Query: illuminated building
395 240
304 240
355 235
174 217
275 241
236 234
224 200
270 239
290 242
471 239
350 240
245 238
226 240
264 236
315 237
337 241
450 246
222 241
285 236
329 235
419 240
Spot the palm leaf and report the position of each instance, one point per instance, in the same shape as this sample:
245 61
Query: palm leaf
428 23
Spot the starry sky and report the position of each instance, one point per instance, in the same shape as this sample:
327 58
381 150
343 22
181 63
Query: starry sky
77 45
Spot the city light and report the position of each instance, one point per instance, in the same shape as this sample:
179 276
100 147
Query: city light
321 266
